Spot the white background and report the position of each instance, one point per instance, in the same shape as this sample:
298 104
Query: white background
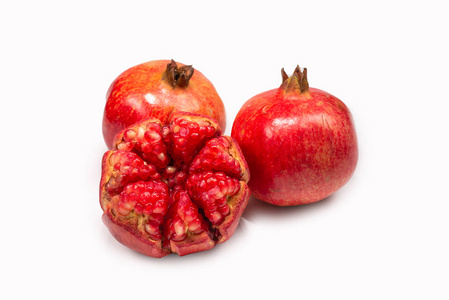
384 235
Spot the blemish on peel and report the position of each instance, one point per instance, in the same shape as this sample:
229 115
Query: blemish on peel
268 132
265 109
150 98
279 122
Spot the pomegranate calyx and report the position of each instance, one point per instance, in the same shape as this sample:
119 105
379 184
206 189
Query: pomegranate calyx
295 83
177 77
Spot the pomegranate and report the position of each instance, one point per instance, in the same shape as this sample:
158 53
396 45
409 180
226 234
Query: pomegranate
300 143
174 188
157 89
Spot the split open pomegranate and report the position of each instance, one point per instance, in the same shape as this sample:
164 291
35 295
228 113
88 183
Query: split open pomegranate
178 187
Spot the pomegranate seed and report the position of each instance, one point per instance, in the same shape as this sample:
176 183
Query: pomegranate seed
125 146
129 135
181 144
194 225
140 132
148 210
165 132
153 126
169 171
210 131
184 131
195 136
179 228
152 229
215 217
152 136
159 207
146 147
225 210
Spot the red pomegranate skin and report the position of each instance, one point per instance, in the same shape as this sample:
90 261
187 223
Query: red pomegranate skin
143 91
300 146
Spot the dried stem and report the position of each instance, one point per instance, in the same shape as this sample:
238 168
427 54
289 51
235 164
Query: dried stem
297 81
178 77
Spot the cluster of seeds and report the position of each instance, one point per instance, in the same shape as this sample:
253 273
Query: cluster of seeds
188 138
215 156
210 191
128 167
149 198
148 142
182 218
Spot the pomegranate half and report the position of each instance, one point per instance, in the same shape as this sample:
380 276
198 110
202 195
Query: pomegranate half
157 89
178 187
300 143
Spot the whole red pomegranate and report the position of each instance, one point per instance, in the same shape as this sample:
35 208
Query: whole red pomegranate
300 143
157 89
179 187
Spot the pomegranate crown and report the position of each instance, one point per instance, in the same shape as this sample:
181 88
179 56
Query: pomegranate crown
177 77
298 81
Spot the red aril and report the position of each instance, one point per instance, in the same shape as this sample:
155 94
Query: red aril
173 188
300 143
157 89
